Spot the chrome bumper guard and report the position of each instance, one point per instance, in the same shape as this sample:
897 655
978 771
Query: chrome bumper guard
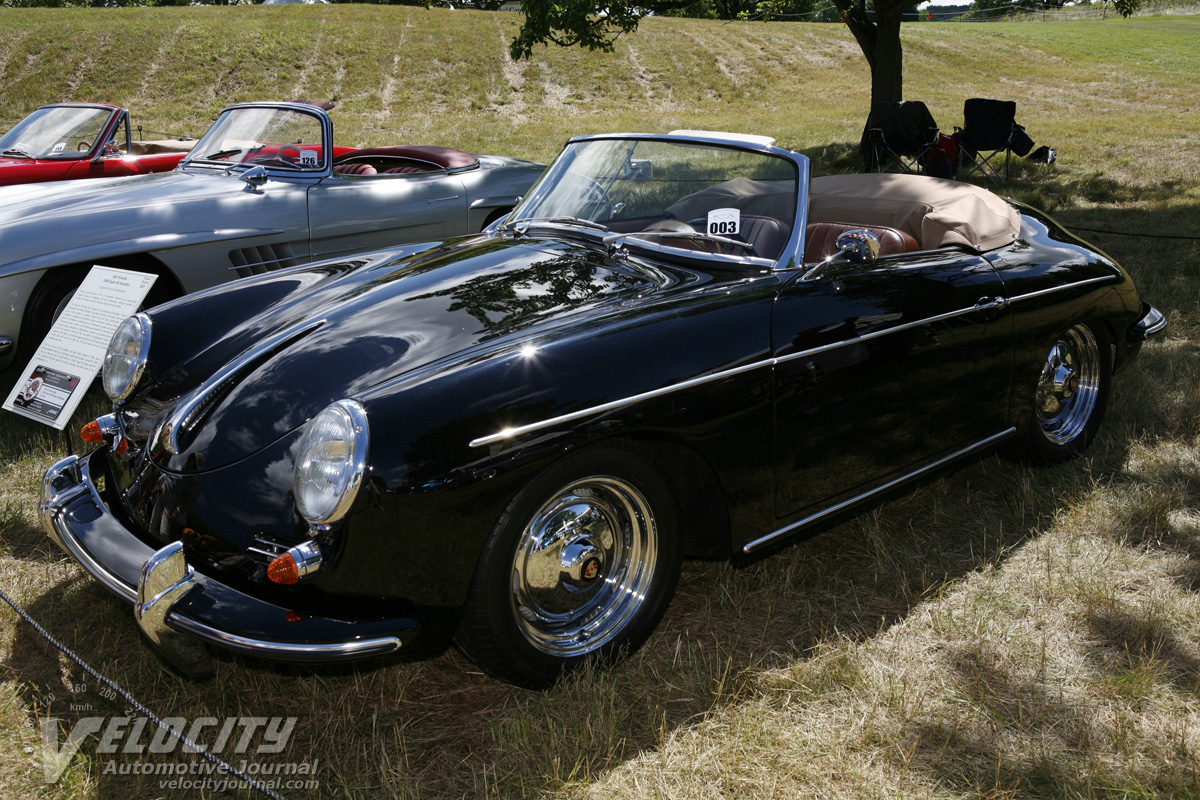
1151 323
173 604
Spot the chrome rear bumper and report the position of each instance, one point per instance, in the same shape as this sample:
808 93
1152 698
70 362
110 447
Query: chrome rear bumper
1151 323
173 603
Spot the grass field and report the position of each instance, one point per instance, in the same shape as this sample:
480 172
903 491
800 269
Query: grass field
1002 632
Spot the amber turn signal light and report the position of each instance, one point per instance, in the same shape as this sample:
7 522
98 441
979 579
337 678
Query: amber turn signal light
283 569
91 434
294 563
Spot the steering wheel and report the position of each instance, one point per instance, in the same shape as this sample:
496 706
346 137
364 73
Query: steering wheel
83 146
288 155
594 196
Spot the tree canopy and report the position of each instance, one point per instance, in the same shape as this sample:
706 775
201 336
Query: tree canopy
875 25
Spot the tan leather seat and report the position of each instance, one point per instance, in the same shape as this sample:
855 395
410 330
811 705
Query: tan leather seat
820 238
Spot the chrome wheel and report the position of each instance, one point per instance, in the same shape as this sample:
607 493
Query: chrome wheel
583 566
1070 386
579 567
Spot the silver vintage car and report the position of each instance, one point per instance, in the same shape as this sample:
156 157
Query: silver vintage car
265 188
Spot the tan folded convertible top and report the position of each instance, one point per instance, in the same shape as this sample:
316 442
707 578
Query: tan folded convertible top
936 212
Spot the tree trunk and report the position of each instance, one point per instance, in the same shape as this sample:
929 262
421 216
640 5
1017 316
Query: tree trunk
879 41
887 65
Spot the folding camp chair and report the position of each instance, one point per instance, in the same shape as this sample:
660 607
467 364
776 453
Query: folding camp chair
989 129
898 136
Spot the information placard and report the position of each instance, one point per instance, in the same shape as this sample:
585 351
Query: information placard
68 359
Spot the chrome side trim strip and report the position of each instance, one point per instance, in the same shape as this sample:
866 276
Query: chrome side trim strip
287 651
866 337
837 507
509 433
1063 288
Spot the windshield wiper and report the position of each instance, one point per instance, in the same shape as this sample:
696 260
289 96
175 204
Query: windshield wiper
587 223
701 235
222 153
18 152
519 227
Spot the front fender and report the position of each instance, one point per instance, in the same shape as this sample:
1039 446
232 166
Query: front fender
15 291
97 252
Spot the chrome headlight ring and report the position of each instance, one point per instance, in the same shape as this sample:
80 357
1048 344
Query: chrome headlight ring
331 460
125 360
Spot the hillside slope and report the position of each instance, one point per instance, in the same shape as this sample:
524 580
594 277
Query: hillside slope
400 73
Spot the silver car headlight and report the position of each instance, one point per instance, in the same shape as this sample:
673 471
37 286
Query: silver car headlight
126 357
330 462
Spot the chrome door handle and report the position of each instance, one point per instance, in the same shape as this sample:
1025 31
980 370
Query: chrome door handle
991 303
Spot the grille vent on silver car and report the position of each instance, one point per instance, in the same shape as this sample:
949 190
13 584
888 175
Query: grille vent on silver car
257 260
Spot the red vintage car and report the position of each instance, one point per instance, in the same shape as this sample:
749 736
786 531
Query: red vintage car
65 141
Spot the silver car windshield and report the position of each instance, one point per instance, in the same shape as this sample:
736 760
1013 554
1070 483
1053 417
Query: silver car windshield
273 137
679 194
59 133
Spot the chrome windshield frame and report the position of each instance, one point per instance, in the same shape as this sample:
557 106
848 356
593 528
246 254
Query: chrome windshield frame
790 256
104 132
196 159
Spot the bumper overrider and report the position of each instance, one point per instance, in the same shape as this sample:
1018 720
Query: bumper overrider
1151 323
177 607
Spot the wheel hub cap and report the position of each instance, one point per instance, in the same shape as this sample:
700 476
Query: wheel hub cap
582 562
1069 385
583 565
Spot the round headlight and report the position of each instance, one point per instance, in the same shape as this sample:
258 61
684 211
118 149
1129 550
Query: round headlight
126 357
330 462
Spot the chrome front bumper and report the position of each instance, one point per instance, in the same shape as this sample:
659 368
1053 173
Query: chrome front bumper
176 606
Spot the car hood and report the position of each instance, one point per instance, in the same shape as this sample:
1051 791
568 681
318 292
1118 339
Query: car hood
11 161
353 326
99 194
32 216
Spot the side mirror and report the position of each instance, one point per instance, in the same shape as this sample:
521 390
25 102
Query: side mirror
857 247
109 150
852 247
254 178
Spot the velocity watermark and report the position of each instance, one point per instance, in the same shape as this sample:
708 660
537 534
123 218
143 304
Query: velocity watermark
194 775
139 736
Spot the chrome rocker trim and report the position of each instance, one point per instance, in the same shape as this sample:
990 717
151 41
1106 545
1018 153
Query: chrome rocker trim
762 541
75 517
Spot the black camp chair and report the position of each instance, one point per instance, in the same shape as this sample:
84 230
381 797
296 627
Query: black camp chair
989 129
898 136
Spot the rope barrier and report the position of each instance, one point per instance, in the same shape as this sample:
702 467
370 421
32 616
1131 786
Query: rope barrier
220 764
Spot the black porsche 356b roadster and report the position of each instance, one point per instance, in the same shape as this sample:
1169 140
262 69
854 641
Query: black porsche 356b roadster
676 345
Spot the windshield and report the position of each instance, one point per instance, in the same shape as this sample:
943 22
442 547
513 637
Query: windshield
680 194
274 137
56 132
